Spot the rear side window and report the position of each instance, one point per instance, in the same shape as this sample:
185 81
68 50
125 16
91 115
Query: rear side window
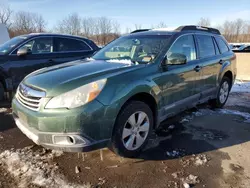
222 45
184 45
70 45
205 46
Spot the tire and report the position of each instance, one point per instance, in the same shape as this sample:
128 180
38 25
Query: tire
128 140
222 94
1 92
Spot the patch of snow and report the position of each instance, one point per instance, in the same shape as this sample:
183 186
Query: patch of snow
240 87
234 112
89 59
205 111
124 61
77 169
175 153
200 160
2 110
34 168
186 185
171 127
191 180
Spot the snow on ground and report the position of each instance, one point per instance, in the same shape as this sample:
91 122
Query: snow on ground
240 87
35 168
2 110
206 111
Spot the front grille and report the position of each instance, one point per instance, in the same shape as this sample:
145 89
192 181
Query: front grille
29 97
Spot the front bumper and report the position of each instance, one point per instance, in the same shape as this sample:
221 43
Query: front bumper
79 142
88 128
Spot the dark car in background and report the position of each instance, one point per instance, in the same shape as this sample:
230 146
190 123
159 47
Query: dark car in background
24 54
242 48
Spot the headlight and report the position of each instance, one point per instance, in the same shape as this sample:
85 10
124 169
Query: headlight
78 96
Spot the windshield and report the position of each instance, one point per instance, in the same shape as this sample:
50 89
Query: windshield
4 48
138 49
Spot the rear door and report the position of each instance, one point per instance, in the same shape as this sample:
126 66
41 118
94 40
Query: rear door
69 49
209 58
179 82
41 56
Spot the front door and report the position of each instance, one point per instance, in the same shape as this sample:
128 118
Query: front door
178 82
40 56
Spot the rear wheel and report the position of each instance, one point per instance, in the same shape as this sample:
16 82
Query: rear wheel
1 92
132 129
222 94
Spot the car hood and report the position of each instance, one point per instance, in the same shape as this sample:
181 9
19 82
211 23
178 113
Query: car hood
65 77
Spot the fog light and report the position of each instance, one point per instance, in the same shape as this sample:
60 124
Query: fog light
63 140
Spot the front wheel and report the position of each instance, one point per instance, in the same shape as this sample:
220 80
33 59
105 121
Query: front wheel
132 129
222 94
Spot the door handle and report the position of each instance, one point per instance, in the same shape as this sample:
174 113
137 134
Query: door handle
221 62
197 68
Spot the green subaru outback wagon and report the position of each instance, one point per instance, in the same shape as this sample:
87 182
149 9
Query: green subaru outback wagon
119 96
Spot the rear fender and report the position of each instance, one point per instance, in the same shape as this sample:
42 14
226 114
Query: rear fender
226 66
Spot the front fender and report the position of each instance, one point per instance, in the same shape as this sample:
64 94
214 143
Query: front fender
115 97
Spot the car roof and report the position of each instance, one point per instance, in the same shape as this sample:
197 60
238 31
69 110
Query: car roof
160 32
182 29
31 35
154 32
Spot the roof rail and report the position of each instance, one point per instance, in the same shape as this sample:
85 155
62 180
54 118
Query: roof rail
198 28
140 30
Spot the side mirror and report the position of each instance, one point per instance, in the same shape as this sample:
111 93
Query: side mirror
23 51
176 59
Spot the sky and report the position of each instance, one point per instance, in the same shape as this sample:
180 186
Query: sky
143 12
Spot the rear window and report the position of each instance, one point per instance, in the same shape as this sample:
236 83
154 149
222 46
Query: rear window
222 45
205 46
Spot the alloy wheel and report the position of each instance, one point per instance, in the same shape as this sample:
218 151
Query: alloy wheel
224 92
135 130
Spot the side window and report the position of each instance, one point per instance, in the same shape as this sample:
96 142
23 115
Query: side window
70 45
185 46
40 45
222 45
205 46
216 47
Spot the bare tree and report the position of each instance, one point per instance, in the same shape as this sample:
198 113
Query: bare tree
88 27
128 30
26 22
204 22
161 25
105 28
70 25
5 15
137 26
239 26
40 23
116 27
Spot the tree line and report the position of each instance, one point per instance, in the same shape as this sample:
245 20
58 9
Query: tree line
102 30
234 31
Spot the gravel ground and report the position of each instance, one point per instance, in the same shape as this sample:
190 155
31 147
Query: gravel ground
198 148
